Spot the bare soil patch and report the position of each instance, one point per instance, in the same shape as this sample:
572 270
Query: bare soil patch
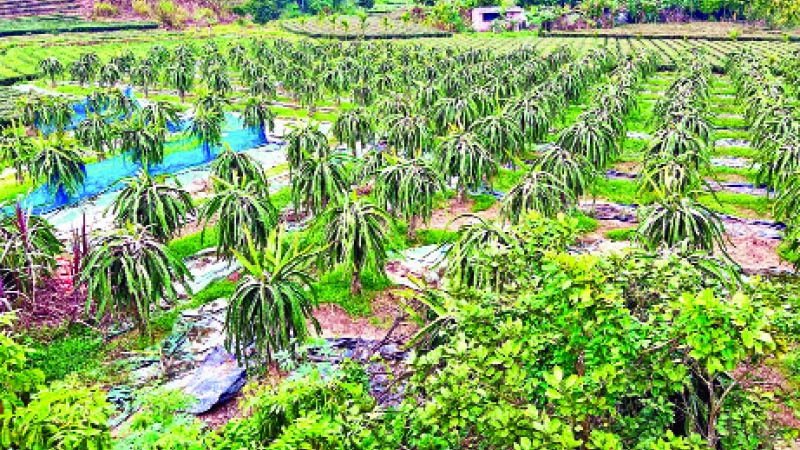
386 309
443 218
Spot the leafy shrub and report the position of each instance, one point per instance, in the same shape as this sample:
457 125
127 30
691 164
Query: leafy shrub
102 9
429 236
63 415
161 424
171 15
142 8
621 234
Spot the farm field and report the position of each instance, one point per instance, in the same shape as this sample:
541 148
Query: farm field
254 239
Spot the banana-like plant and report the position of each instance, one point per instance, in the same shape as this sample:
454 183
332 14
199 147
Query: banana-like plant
274 301
574 171
501 135
237 168
257 114
319 181
354 128
411 135
594 139
158 204
57 162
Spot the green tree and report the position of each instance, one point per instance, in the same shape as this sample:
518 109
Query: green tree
207 128
94 132
181 78
463 155
52 68
244 216
237 168
408 189
161 207
56 161
144 75
274 301
678 221
537 191
143 142
319 180
15 150
257 114
353 128
109 75
356 231
127 272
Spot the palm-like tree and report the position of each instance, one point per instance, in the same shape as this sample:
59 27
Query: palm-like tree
159 206
94 132
217 80
144 75
57 162
532 116
15 149
463 155
537 191
454 112
304 142
109 74
245 215
56 113
143 141
273 302
121 104
52 68
355 231
319 180
257 114
677 220
464 265
595 140
354 128
207 128
181 78
408 190
237 169
501 135
410 134
80 72
127 271
574 171
160 114
668 174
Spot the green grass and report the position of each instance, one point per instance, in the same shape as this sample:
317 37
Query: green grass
435 237
482 202
507 179
729 122
586 224
732 134
738 204
10 190
620 234
70 349
334 287
621 191
189 245
740 152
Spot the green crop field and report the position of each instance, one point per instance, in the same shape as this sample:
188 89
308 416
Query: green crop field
399 241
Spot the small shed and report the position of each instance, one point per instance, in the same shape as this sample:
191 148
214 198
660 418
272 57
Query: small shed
484 18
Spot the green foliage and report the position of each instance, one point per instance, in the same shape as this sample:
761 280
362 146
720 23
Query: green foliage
34 416
355 235
161 424
482 202
621 234
190 244
127 271
334 287
240 212
156 204
273 301
71 349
